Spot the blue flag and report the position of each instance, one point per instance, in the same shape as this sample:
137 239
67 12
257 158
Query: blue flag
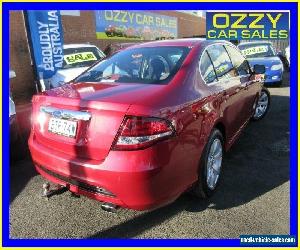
47 41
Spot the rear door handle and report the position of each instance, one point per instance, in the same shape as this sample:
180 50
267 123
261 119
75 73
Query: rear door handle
225 96
238 89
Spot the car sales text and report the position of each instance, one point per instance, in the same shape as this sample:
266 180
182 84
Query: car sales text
246 26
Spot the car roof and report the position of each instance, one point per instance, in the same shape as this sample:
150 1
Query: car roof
185 42
122 45
257 42
77 45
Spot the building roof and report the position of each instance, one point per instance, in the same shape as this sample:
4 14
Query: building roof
77 45
172 42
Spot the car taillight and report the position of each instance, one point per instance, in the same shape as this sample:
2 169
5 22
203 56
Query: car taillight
141 132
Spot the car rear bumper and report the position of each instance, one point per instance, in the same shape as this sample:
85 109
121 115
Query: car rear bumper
140 185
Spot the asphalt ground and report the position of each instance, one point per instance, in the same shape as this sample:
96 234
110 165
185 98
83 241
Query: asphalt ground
253 197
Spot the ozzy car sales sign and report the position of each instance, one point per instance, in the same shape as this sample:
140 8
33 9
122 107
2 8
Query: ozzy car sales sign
247 25
134 25
47 41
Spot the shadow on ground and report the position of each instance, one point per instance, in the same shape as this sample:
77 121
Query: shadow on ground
256 164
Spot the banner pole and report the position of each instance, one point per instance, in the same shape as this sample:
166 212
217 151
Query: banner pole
31 49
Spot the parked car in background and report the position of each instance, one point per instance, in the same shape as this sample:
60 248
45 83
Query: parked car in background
16 142
14 133
284 60
77 59
13 126
140 128
263 53
287 54
115 47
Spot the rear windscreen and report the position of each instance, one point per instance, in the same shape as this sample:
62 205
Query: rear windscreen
140 65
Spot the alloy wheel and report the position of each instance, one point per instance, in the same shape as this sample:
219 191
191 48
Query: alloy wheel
262 105
214 163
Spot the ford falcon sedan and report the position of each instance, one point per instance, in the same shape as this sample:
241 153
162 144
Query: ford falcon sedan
140 128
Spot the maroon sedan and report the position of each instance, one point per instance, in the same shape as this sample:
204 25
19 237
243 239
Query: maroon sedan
140 128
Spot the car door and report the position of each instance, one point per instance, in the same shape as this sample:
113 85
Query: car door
250 87
227 89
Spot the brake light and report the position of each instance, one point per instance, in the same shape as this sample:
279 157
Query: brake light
141 132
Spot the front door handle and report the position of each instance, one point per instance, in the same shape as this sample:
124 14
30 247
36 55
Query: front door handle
245 86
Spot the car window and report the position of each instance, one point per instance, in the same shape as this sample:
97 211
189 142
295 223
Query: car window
221 62
207 69
239 62
138 65
175 56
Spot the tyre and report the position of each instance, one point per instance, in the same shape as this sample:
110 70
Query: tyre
210 166
262 105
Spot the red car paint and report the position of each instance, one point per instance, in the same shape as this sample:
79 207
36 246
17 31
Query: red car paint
156 174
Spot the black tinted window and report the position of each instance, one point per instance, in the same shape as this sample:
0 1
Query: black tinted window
207 69
221 62
239 62
139 65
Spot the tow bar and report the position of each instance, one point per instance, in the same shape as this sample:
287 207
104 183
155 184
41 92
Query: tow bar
57 189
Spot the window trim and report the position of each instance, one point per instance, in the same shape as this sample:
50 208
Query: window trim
222 44
216 79
205 50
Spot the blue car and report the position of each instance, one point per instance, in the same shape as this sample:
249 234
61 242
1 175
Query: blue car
263 53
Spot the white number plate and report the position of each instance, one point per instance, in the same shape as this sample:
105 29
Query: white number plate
62 127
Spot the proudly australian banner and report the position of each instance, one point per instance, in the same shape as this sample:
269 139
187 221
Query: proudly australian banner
47 41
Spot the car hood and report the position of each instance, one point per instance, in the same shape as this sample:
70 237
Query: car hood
66 75
266 61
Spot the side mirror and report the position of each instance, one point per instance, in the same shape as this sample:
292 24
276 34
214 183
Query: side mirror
259 69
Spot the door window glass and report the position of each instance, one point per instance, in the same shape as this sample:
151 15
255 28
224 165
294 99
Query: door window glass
239 62
221 62
207 69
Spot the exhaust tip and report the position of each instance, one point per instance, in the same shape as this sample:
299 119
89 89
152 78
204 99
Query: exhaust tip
109 207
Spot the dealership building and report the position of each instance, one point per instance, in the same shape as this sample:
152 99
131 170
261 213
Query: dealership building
86 27
93 27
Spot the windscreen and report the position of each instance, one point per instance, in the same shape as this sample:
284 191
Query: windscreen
152 65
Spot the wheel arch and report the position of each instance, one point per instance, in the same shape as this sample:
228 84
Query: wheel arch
221 127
